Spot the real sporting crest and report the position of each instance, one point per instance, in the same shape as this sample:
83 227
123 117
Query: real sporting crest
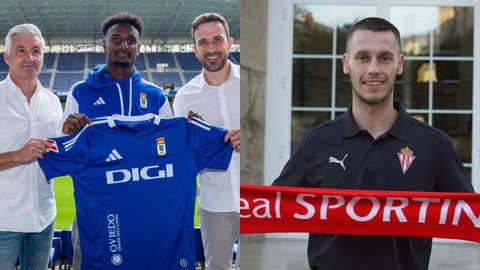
406 158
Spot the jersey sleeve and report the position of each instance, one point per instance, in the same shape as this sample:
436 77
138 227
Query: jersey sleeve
451 175
207 146
66 155
295 172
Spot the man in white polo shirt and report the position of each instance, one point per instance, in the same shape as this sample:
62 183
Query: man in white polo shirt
215 95
28 112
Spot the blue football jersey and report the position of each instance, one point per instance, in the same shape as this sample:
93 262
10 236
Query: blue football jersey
134 187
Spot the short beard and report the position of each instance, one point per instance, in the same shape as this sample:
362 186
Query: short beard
373 101
215 68
122 64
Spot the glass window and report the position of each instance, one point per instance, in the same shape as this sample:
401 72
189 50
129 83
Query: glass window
411 87
459 128
453 86
311 82
303 121
453 31
343 94
315 26
415 26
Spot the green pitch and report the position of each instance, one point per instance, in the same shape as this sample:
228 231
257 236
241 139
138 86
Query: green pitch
63 189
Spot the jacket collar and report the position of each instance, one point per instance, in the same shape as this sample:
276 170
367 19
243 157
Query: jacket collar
349 128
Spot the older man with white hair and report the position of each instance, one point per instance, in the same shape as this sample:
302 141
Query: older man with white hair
28 112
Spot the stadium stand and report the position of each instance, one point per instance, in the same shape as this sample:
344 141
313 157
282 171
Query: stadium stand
235 57
3 65
65 80
95 60
71 68
188 62
48 60
71 62
166 77
140 63
190 75
44 78
161 58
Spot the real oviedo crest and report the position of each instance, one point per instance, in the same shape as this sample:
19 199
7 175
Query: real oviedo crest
161 147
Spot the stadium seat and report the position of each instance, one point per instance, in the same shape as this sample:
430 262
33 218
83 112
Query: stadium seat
161 58
188 61
190 75
71 62
166 77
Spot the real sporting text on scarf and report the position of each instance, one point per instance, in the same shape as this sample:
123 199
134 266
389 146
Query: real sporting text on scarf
359 212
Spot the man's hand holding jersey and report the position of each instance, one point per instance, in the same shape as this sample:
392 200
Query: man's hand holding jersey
74 122
234 137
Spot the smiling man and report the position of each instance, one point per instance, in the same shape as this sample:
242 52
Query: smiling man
376 145
27 110
215 95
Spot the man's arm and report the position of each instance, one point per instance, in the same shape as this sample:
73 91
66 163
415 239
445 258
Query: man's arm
294 173
34 148
451 175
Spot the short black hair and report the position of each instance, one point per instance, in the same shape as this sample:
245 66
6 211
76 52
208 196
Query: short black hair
123 18
206 18
374 24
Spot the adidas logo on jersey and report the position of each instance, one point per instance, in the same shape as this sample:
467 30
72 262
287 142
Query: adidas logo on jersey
114 155
99 101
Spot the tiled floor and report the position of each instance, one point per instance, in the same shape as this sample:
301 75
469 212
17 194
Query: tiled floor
282 254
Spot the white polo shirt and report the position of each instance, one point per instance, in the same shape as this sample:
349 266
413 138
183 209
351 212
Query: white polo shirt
26 199
219 106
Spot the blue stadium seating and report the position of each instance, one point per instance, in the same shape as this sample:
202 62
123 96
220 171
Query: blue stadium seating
44 78
140 63
235 57
167 58
71 62
48 60
166 77
190 75
188 61
71 66
65 80
3 65
95 60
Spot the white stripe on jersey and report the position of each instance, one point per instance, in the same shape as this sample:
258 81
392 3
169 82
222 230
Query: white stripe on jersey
199 123
68 144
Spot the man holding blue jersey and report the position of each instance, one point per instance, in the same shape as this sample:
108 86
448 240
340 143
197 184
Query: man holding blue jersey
115 88
28 112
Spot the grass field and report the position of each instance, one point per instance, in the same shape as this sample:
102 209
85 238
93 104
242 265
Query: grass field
63 188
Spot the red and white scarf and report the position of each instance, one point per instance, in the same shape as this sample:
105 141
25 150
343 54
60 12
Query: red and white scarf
267 209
